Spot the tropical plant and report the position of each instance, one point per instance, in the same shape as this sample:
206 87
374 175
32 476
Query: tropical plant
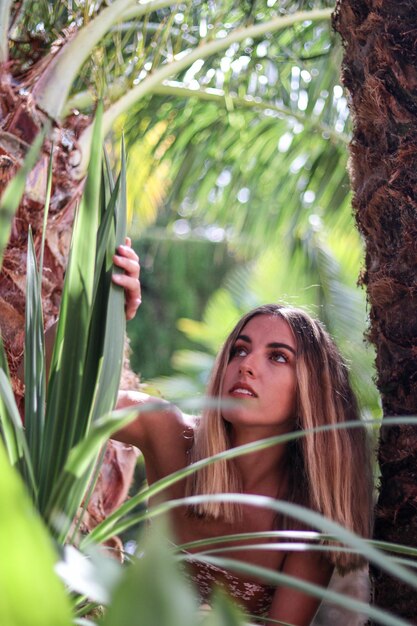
46 69
40 73
87 289
67 422
55 457
28 86
58 54
316 275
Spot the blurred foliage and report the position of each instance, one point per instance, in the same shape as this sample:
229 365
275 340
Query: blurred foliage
319 274
177 277
28 581
250 148
241 159
254 141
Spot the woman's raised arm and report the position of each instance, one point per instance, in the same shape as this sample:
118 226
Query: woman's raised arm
158 423
295 607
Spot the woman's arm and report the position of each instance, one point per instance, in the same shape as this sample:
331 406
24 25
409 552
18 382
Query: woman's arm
157 422
295 607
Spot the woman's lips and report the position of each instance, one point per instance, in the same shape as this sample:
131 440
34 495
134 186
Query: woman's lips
242 389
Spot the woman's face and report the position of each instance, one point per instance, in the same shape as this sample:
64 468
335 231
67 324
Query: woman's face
261 376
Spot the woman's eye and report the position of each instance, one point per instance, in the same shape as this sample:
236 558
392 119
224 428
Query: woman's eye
238 351
279 357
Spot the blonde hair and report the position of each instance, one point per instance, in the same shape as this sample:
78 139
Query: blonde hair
329 471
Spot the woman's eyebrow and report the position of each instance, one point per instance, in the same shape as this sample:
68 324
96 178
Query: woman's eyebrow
273 344
280 345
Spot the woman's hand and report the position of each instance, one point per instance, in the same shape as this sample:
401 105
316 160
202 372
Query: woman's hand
127 259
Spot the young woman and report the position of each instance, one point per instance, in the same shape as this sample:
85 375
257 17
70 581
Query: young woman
278 371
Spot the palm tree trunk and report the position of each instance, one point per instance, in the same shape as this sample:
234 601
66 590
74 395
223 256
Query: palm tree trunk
380 74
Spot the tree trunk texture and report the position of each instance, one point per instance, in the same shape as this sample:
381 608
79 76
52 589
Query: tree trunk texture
20 121
380 74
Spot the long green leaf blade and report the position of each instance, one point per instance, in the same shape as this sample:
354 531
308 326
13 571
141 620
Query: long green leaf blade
69 487
94 359
8 430
279 578
14 191
109 378
105 346
14 433
312 519
65 416
34 360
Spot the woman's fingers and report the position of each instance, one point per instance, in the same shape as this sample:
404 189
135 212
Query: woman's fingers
127 251
127 259
130 266
132 293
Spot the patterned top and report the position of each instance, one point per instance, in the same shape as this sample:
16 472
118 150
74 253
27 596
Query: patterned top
255 598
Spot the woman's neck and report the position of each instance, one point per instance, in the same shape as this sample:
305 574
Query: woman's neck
262 472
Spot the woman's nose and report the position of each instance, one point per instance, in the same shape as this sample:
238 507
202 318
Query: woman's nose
247 366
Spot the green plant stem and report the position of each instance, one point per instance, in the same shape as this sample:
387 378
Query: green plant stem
307 516
177 89
281 579
52 88
138 10
107 527
169 88
5 6
184 60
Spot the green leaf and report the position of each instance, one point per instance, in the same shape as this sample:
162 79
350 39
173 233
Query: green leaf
66 414
113 524
34 360
13 432
14 191
312 519
31 593
279 578
224 611
153 592
115 326
70 485
9 431
94 359
206 49
52 88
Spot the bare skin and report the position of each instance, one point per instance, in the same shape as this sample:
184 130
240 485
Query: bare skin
127 259
262 377
261 373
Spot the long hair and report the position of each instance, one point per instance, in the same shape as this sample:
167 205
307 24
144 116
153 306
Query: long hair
330 471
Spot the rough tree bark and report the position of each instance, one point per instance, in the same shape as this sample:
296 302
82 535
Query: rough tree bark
380 73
